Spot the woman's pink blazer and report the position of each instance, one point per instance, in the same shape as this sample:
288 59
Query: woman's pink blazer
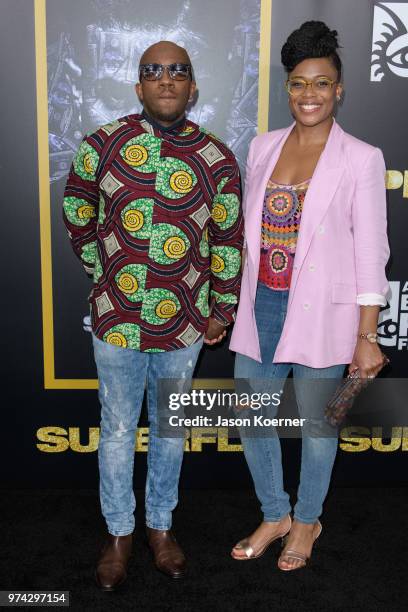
341 252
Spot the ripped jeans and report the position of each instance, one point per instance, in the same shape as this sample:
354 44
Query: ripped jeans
263 454
123 374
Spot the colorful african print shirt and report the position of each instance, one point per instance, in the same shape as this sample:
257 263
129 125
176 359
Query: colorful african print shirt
281 217
155 217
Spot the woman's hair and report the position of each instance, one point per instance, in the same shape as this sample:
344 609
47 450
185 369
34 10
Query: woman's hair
312 39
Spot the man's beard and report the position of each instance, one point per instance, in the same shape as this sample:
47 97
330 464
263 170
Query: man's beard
171 117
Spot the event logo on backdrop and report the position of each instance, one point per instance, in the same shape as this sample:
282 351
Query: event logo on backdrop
393 322
389 53
55 439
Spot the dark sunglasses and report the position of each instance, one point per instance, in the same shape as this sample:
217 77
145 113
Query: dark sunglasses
153 72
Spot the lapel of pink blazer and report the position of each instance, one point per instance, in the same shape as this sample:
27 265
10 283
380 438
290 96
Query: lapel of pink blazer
255 196
319 196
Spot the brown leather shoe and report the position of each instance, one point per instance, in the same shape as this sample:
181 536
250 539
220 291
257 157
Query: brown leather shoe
168 556
112 563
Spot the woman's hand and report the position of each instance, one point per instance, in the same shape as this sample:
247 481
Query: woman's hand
215 332
367 359
367 356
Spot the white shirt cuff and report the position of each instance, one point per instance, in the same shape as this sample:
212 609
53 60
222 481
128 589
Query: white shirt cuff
86 323
371 299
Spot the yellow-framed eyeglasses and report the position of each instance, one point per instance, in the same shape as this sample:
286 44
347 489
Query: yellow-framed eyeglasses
298 85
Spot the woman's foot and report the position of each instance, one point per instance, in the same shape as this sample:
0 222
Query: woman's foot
256 544
299 545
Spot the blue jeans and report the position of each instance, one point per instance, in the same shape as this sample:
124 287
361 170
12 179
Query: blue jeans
263 454
123 374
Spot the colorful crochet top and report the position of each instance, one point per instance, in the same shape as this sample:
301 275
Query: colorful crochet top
281 217
155 217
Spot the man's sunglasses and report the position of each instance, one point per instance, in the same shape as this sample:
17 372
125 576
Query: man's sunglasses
153 72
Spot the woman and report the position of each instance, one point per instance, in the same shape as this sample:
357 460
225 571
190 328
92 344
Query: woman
313 280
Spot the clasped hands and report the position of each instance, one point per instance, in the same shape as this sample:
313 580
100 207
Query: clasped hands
215 332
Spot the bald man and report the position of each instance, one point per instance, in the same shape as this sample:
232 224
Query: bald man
152 209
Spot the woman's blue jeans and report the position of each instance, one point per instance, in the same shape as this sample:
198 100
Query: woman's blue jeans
123 375
263 454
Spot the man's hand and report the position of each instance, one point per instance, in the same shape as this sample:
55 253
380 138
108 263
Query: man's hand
215 332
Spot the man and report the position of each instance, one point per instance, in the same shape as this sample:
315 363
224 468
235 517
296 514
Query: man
149 198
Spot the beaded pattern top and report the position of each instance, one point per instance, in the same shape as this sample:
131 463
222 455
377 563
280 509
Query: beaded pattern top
281 215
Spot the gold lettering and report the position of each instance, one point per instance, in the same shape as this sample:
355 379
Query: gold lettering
223 442
394 179
352 444
394 444
142 440
187 442
352 439
404 441
53 438
75 443
198 439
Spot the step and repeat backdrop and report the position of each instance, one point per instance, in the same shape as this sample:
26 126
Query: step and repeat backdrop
69 66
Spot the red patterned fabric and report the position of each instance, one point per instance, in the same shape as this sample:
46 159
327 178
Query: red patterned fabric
155 217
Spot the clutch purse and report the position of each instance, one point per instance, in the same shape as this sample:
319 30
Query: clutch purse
342 401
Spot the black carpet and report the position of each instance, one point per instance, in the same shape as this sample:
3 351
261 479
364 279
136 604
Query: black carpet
50 540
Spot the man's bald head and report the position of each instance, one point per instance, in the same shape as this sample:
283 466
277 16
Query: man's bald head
165 48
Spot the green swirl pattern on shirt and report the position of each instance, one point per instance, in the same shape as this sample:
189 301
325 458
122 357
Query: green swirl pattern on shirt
89 252
79 212
86 161
137 218
168 243
124 335
202 299
131 281
159 305
225 210
142 153
174 178
225 261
